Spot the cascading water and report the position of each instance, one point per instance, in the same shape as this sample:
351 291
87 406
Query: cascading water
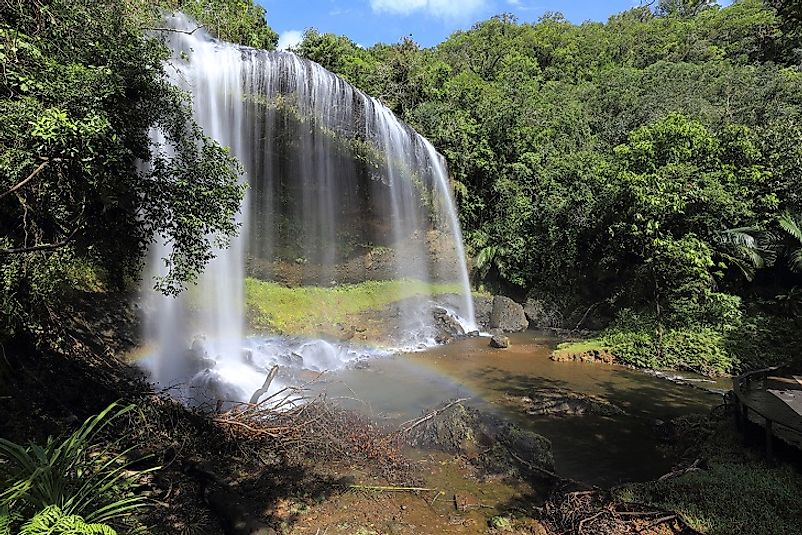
333 177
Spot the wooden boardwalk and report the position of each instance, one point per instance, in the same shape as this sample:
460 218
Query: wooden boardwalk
772 399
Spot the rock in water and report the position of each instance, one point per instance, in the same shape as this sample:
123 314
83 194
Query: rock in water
499 341
496 446
564 402
508 315
447 323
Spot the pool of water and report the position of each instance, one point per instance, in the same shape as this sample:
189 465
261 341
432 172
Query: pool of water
601 450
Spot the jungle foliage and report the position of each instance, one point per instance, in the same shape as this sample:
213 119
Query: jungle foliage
82 87
648 164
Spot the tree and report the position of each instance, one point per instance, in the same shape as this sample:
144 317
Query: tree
683 8
80 94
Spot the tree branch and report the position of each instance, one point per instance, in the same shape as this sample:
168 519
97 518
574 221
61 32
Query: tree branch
50 246
44 247
28 179
173 30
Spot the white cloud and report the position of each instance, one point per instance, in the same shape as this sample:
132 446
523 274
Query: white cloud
289 39
447 9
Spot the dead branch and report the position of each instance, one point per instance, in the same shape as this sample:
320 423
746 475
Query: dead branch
30 177
265 387
173 30
677 473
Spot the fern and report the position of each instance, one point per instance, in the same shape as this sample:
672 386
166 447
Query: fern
5 521
53 521
73 474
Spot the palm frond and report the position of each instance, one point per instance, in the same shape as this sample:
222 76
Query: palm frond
741 236
791 225
795 260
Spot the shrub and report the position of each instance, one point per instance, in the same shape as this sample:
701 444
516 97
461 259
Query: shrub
78 476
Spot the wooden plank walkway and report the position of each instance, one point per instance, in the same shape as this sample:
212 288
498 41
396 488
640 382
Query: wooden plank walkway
772 399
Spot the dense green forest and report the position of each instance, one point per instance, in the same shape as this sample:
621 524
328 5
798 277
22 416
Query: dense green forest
81 89
640 179
645 170
640 175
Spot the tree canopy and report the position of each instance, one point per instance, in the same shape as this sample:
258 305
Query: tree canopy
639 163
83 190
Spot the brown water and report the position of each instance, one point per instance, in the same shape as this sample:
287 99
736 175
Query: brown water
595 449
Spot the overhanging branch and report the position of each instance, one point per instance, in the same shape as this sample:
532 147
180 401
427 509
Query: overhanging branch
187 32
43 247
26 180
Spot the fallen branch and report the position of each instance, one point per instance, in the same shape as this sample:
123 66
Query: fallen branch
265 387
391 489
660 521
555 476
677 473
173 30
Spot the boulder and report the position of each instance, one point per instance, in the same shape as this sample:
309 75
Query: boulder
508 315
536 313
564 402
499 342
446 323
483 309
485 440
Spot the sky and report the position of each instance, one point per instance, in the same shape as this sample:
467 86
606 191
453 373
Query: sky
428 22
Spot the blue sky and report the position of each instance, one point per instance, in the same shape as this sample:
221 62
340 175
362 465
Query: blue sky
427 21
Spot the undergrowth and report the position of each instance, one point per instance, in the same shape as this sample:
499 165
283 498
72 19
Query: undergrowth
737 492
756 341
79 484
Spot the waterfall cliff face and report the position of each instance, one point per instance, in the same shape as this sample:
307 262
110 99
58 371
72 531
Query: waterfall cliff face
334 178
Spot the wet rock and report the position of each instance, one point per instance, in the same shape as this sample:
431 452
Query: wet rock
208 388
483 309
452 431
447 323
499 342
535 312
444 339
196 359
496 446
564 402
508 315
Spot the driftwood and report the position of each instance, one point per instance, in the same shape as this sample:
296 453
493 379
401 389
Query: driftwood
265 387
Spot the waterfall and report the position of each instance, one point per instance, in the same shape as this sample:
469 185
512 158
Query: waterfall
333 175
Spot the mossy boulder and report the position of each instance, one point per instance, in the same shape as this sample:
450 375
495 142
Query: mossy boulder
496 446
